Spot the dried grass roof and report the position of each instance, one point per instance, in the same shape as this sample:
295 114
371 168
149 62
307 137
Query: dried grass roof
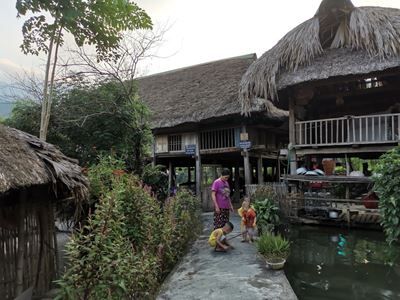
200 92
339 40
26 161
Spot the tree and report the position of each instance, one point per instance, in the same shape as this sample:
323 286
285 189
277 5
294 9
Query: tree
84 70
93 22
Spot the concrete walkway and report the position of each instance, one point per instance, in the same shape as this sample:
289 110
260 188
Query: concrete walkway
239 274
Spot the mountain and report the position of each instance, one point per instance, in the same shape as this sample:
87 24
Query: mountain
5 109
6 104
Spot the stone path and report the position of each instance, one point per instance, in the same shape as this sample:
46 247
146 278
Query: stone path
239 274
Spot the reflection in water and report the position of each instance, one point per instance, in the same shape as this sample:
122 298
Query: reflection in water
330 263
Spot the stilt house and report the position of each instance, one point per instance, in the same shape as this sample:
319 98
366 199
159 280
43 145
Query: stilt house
198 126
338 74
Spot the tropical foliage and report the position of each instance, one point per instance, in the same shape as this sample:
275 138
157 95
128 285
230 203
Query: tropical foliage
266 209
387 187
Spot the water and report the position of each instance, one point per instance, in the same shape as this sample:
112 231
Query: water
330 263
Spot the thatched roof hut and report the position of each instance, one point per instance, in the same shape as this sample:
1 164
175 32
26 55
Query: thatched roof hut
199 93
26 161
33 174
340 40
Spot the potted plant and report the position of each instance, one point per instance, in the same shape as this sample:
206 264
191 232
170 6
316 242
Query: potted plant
274 248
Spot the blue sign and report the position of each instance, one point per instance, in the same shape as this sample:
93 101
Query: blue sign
245 144
190 149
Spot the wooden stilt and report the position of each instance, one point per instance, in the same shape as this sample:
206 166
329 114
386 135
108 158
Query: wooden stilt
259 170
198 167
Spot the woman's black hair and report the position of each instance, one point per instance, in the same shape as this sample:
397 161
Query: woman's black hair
225 172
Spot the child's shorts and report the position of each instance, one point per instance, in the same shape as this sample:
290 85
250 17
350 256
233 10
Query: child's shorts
250 231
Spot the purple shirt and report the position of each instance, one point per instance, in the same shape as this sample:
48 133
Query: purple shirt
222 193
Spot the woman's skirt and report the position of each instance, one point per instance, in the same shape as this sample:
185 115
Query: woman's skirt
221 218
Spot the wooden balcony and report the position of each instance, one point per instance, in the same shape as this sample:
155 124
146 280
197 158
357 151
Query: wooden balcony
348 131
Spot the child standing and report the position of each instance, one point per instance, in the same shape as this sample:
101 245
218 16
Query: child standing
248 222
218 238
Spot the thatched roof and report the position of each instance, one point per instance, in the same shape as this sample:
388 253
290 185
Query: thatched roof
26 161
197 93
339 40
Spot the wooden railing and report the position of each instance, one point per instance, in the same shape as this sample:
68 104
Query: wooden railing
349 130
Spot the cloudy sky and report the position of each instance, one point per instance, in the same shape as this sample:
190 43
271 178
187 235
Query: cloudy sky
200 31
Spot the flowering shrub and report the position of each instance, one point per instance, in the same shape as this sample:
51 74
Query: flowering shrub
129 244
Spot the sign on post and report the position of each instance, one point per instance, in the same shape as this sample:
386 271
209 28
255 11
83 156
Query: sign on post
190 149
245 145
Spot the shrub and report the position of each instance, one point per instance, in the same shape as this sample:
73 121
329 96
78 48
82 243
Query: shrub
102 174
387 187
103 264
154 177
128 245
273 246
181 225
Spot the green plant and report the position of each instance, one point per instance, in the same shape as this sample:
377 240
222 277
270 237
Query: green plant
128 244
267 215
273 246
340 170
102 262
181 218
387 187
154 177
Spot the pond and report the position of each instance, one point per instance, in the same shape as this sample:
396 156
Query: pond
332 263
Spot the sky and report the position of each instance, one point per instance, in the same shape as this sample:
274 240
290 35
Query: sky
199 30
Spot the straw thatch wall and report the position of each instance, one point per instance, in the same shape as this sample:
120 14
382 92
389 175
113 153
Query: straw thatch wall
339 40
38 266
198 93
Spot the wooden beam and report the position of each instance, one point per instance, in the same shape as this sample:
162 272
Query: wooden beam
292 136
246 162
170 175
342 150
198 167
237 182
260 174
332 178
153 150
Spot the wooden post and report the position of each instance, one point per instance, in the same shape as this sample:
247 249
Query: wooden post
237 182
198 167
19 288
246 162
154 160
292 137
170 169
260 174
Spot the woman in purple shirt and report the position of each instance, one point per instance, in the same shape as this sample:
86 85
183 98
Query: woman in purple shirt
220 194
